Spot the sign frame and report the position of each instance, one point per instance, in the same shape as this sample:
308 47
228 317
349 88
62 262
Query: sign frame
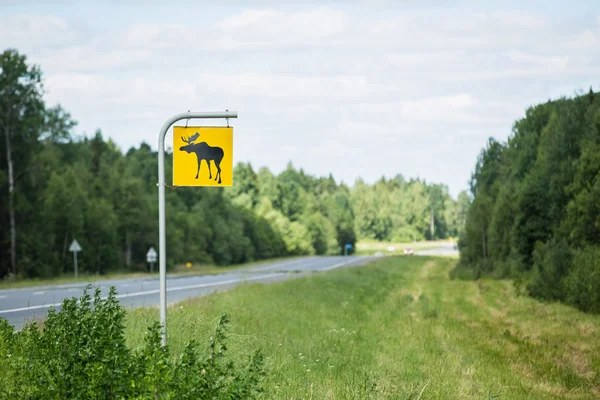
206 149
74 248
347 247
151 257
162 253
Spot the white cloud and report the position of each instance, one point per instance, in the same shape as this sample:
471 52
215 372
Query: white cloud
546 62
330 87
586 40
447 106
275 29
35 31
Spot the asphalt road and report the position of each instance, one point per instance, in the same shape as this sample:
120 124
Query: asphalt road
19 306
445 250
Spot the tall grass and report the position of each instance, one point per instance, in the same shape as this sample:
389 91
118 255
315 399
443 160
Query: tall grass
397 328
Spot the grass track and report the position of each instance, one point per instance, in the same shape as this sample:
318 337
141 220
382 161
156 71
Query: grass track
399 329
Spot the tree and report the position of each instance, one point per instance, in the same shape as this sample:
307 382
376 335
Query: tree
64 207
245 182
462 206
21 119
60 186
269 186
536 200
437 196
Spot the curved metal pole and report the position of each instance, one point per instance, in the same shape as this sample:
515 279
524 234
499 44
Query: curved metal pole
161 205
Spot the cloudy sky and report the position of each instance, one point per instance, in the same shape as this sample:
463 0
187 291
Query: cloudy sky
356 88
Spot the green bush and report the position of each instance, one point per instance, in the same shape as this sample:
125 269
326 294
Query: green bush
583 282
407 234
551 264
80 352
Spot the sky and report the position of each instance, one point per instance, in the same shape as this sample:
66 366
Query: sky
359 89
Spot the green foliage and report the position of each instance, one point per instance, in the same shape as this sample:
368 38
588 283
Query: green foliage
582 286
552 261
399 329
81 353
395 210
322 234
88 189
534 215
22 122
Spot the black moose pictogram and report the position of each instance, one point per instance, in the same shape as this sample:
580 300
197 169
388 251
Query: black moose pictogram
204 152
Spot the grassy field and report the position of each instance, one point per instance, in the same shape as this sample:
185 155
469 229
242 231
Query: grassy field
398 329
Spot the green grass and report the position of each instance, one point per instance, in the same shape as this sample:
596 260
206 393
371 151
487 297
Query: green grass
398 329
370 247
195 269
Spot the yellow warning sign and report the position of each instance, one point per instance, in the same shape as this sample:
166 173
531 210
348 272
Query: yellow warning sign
202 156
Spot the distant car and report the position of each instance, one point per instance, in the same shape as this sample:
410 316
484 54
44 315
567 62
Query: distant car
409 252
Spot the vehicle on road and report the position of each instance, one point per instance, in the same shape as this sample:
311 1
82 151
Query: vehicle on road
409 252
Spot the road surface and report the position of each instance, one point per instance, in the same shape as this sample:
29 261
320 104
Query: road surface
445 250
19 306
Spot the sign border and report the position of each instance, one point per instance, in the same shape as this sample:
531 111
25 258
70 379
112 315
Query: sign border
203 127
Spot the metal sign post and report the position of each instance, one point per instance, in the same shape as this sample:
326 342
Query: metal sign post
74 248
162 253
151 258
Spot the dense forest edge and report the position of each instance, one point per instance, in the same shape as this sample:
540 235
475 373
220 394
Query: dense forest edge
57 186
535 214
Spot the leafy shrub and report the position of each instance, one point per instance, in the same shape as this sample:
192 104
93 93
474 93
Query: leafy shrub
407 234
551 264
80 352
583 282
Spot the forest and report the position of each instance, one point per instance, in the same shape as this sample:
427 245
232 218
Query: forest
58 185
535 214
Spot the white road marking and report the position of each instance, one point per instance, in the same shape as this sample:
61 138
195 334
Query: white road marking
341 264
2 296
38 293
173 289
284 265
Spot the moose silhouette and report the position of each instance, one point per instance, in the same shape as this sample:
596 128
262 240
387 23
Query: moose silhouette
204 152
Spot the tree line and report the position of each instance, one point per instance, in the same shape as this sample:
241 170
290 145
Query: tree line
403 211
535 215
58 187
